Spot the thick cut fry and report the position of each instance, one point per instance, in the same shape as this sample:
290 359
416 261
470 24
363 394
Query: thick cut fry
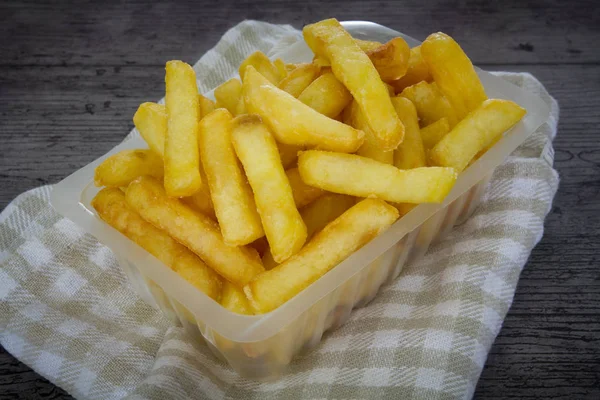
192 229
404 208
433 133
390 59
201 200
453 72
321 61
354 69
280 65
114 210
328 248
368 45
229 94
205 106
476 132
326 95
258 153
181 158
235 300
299 79
241 107
303 193
363 177
150 119
430 103
288 154
370 148
123 167
263 65
293 122
231 195
416 72
410 153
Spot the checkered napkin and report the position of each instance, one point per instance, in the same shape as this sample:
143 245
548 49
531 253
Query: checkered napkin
67 310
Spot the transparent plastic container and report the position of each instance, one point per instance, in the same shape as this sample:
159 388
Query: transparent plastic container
261 346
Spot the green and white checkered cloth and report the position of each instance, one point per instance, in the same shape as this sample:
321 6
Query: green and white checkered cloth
67 310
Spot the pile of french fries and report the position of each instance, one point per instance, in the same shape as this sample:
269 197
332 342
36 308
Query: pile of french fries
253 197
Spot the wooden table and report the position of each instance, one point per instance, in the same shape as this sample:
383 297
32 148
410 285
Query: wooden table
71 77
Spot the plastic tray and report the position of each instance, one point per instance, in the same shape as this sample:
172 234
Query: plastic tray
262 346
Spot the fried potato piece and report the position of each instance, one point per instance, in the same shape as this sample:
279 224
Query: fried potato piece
328 248
201 200
241 107
293 122
326 95
150 120
474 133
288 154
370 148
430 103
281 68
368 45
390 59
235 300
354 69
454 73
205 106
433 133
113 209
229 94
416 72
299 79
181 157
231 195
192 229
303 193
263 65
257 150
362 177
123 167
410 153
321 61
404 208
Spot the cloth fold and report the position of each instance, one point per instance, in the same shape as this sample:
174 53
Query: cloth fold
68 311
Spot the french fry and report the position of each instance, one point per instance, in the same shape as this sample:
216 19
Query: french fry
354 69
303 193
416 72
280 65
433 133
113 209
333 244
454 73
263 65
241 107
235 300
410 153
293 122
192 229
205 106
299 79
229 94
326 95
288 154
123 167
290 67
321 61
362 177
403 208
181 157
475 132
231 195
257 150
430 103
368 45
370 147
150 119
390 59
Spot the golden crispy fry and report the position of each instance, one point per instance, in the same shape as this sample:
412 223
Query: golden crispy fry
229 94
476 132
113 209
333 244
150 119
370 148
123 167
404 208
362 177
293 122
430 103
258 153
326 95
299 79
321 61
235 300
410 153
354 69
280 65
453 72
263 65
390 59
290 67
231 195
181 158
201 200
368 45
433 133
416 72
205 106
288 154
192 229
303 193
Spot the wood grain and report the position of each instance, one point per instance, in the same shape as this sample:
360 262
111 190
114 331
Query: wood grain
72 75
